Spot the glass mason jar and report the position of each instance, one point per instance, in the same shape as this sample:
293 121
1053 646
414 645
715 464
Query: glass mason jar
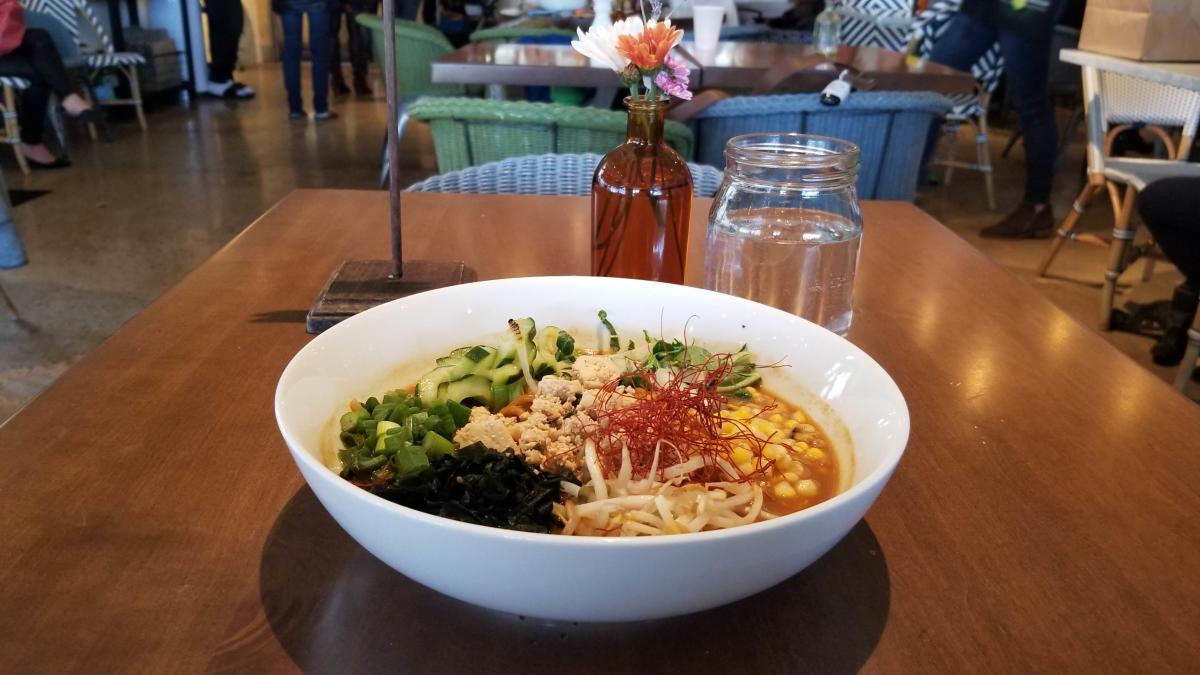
785 226
641 203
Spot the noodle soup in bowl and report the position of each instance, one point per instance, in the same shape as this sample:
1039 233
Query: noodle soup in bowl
840 389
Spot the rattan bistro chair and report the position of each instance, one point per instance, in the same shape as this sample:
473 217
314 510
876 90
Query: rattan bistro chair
1115 103
101 56
469 132
566 174
890 129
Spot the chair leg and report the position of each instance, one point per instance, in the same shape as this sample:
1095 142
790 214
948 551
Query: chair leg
1068 226
1012 141
135 92
11 309
983 152
1118 258
951 137
1189 356
12 128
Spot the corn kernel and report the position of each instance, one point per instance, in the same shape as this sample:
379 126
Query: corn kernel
801 445
814 454
773 452
790 424
740 414
741 455
807 428
776 418
728 428
799 417
791 476
807 487
783 490
784 462
746 468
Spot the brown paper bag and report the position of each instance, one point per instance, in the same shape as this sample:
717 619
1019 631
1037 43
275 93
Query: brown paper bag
1144 30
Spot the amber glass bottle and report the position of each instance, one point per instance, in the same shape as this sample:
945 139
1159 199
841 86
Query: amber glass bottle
641 203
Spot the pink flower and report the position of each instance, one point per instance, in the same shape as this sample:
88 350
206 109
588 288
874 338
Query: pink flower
673 78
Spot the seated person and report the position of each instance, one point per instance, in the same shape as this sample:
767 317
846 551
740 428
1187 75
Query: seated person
1169 207
35 58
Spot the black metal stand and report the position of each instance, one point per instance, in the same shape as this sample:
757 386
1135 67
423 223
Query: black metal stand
361 284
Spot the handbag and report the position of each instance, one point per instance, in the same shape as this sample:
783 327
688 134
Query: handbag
12 25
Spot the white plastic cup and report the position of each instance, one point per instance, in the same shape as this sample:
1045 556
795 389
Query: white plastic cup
706 25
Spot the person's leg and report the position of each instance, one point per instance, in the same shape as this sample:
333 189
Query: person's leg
292 21
318 24
336 11
360 46
1027 64
1169 207
225 20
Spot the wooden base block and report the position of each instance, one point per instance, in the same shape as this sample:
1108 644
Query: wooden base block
358 285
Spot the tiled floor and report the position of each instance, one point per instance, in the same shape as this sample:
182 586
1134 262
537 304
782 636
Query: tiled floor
131 218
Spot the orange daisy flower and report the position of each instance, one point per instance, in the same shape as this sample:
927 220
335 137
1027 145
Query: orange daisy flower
647 50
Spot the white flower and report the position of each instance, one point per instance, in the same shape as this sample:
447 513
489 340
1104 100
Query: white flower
600 42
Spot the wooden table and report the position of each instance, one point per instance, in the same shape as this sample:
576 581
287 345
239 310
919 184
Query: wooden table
1043 518
734 65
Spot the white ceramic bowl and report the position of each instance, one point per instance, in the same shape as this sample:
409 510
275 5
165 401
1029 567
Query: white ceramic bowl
582 578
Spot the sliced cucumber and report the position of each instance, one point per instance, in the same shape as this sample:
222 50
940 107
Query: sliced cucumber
505 374
427 386
471 389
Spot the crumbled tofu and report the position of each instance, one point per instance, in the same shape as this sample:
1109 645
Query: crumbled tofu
484 427
553 386
594 371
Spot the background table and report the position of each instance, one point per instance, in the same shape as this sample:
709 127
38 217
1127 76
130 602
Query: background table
1042 519
734 65
1185 75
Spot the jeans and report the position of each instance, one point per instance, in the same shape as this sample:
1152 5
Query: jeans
225 21
1026 63
318 45
37 60
1168 207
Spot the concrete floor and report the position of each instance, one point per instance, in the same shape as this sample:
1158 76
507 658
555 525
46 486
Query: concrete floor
132 217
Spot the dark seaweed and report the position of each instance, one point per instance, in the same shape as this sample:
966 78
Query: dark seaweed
483 487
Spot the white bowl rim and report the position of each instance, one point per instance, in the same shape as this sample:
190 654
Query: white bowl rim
880 473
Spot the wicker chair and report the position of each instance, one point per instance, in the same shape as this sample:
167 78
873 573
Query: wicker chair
468 132
68 12
970 109
417 45
889 127
514 33
569 174
1115 103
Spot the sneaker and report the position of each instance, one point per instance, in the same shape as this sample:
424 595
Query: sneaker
228 89
297 115
361 88
325 116
339 87
1028 221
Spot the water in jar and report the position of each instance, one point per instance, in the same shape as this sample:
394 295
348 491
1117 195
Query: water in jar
799 260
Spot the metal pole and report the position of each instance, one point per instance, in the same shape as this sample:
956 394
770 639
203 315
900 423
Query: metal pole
393 137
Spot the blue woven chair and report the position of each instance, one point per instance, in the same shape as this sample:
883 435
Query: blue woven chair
890 128
565 174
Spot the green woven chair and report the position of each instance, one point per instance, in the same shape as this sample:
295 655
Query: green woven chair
469 132
514 33
417 45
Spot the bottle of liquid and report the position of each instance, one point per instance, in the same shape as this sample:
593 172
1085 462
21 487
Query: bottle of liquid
827 31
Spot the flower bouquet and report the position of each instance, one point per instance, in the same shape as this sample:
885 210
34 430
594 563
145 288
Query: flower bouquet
642 189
